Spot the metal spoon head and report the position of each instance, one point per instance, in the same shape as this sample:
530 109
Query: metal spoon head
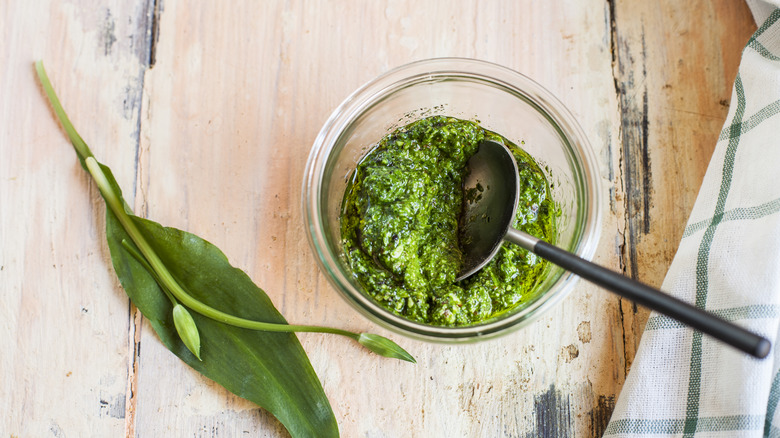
491 193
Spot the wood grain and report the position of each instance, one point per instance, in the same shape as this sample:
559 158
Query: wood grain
206 114
64 321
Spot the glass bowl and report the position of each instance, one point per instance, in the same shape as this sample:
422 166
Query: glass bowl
502 101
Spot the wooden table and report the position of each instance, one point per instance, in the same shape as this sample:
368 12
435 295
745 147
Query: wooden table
206 112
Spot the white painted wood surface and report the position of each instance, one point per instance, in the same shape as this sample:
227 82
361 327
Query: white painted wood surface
213 138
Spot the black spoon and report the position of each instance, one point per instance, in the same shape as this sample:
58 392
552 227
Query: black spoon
493 170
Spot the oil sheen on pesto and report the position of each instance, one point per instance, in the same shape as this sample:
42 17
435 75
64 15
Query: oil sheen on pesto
399 226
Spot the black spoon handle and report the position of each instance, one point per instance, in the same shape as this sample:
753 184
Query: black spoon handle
647 296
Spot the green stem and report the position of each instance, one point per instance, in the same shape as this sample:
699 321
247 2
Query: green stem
140 258
166 279
82 149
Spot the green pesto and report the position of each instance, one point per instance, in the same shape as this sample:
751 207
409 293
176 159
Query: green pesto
399 226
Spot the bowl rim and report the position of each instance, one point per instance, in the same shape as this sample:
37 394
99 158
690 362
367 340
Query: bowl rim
362 99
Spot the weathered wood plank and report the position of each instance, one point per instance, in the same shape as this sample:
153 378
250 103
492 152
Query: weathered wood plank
63 318
235 100
675 68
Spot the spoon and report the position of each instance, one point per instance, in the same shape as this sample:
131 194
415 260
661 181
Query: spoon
487 222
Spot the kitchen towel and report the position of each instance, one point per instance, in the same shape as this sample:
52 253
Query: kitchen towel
683 383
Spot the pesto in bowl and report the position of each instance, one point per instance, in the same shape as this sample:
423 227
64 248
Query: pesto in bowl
399 226
503 101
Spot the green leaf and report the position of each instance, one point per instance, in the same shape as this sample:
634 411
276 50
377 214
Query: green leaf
269 369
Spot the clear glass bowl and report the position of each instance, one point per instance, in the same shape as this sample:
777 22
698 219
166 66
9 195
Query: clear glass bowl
501 100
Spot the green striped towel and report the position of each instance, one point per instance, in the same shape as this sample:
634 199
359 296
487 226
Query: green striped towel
682 383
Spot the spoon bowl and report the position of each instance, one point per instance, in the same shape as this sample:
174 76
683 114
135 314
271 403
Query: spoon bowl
492 192
492 188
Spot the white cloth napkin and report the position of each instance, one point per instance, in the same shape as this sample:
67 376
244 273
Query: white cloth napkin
682 383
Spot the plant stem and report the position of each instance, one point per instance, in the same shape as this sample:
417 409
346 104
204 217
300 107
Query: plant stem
79 144
166 279
140 258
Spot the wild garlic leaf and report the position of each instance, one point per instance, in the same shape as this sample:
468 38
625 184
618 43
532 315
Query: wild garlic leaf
269 369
